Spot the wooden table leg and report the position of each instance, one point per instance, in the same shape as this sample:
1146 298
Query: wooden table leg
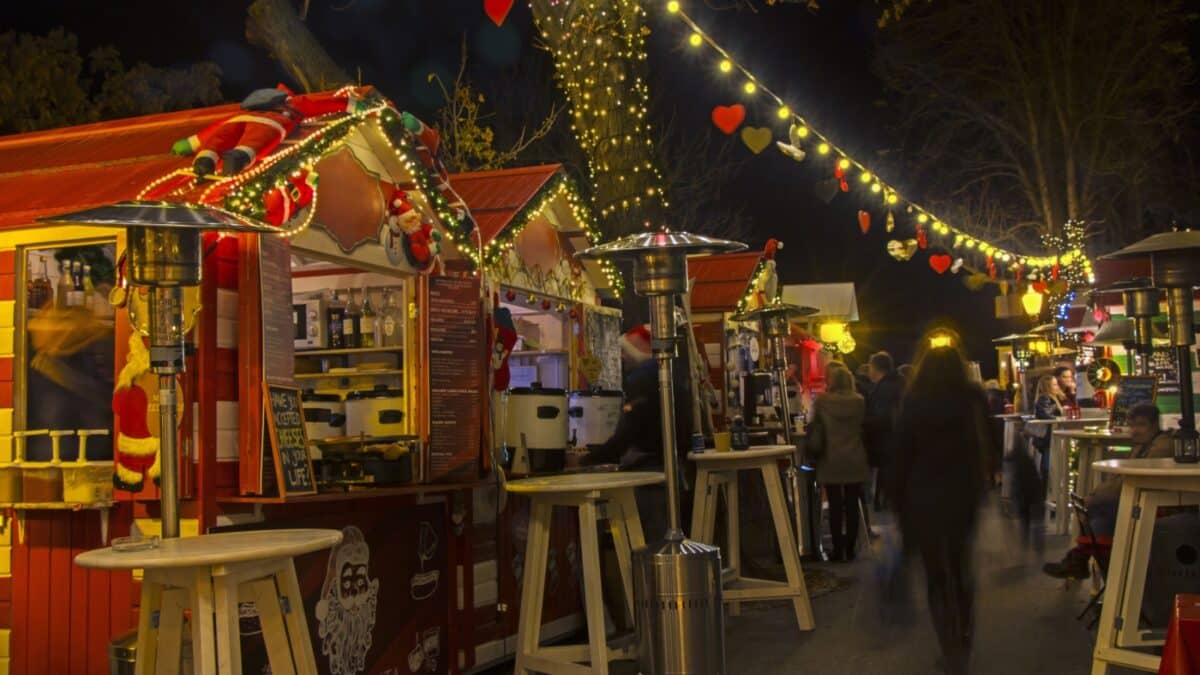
1118 567
204 643
265 596
631 522
787 545
593 595
733 535
292 601
148 620
229 642
537 544
170 631
624 550
699 502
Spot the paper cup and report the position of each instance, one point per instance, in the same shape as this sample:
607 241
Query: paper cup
721 441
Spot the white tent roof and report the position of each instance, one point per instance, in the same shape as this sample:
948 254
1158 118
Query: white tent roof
835 301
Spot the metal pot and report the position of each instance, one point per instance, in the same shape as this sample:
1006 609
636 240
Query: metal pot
535 430
375 412
593 416
324 415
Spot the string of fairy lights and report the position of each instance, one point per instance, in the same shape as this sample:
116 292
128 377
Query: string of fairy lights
851 170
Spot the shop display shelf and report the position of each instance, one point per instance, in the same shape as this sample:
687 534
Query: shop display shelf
354 492
349 350
57 506
386 372
540 352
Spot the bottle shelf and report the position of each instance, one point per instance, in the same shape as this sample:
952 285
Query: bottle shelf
386 372
348 350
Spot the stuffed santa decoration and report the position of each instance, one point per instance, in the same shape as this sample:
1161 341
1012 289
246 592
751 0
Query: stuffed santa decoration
428 145
267 117
282 203
137 450
504 338
420 242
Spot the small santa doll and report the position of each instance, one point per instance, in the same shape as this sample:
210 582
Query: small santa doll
137 450
409 232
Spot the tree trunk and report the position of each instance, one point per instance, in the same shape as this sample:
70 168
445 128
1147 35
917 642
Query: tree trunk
275 26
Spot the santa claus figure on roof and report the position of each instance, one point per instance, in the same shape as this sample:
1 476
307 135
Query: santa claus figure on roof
266 118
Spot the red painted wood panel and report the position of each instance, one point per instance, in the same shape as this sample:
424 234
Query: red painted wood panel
6 369
6 589
8 262
8 283
77 622
6 394
59 599
37 616
6 615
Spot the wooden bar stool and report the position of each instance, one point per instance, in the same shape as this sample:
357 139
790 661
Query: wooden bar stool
597 496
210 575
717 471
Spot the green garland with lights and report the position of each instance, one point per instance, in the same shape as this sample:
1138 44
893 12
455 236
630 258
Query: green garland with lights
756 279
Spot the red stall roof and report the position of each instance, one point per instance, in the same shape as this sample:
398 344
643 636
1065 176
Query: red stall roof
497 197
721 280
47 172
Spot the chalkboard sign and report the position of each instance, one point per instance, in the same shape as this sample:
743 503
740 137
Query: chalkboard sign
456 379
287 469
1132 391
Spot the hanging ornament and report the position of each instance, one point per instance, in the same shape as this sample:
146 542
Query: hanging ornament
793 151
546 305
991 262
1040 287
532 299
957 266
1100 315
729 117
839 173
864 221
826 190
573 314
976 281
1054 272
843 185
510 295
561 307
922 237
940 262
756 138
497 10
891 222
902 250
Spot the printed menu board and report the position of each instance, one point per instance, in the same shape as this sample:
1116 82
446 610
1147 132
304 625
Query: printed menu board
1132 391
288 466
456 378
275 284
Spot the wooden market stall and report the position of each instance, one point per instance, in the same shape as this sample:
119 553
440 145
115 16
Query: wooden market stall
368 217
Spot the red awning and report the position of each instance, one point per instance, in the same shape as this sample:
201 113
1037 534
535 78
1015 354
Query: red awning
497 197
721 280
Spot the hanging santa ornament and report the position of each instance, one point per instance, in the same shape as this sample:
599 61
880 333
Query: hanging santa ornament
729 117
864 221
137 449
891 222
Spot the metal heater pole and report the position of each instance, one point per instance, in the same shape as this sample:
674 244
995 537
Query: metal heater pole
166 359
169 479
1179 307
662 328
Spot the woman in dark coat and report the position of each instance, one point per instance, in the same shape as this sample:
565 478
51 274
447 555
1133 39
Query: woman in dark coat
938 482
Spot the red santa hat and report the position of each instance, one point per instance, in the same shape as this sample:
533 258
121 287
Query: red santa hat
635 343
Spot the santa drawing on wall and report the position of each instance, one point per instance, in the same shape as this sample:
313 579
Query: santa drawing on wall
346 611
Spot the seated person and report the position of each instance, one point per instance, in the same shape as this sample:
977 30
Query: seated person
1149 441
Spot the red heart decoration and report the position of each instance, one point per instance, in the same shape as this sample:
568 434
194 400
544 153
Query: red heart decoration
940 262
497 10
864 221
1040 286
729 117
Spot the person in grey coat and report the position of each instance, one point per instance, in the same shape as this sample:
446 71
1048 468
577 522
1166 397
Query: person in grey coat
842 466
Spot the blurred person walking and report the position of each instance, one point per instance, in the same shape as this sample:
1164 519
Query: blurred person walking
841 461
937 486
882 405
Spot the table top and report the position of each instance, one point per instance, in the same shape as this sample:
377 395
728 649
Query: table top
214 549
1167 468
1074 421
755 452
1011 416
1103 435
584 482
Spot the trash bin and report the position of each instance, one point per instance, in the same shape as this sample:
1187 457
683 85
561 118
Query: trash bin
122 654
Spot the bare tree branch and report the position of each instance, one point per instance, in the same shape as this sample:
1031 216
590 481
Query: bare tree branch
275 25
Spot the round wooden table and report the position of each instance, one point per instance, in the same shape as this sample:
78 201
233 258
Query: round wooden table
210 575
1146 485
597 496
717 472
1092 444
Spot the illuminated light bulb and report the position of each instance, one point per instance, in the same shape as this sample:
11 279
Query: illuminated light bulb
922 218
823 148
876 187
893 198
695 40
844 163
750 87
673 6
864 177
726 65
784 112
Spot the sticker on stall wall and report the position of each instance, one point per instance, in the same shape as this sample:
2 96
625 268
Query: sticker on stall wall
425 653
349 599
424 584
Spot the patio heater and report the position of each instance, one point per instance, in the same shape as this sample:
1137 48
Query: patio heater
1141 306
163 254
1175 268
677 582
775 324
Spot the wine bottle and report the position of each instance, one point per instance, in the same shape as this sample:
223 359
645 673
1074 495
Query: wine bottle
335 313
367 323
62 297
351 322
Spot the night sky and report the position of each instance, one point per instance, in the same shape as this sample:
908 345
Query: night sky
819 62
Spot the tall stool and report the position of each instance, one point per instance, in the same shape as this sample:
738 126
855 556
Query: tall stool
597 496
210 575
716 471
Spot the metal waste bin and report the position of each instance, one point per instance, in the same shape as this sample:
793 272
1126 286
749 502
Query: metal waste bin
680 616
122 654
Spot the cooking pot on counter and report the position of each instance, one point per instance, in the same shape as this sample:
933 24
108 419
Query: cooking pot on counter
375 412
593 415
535 430
324 415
